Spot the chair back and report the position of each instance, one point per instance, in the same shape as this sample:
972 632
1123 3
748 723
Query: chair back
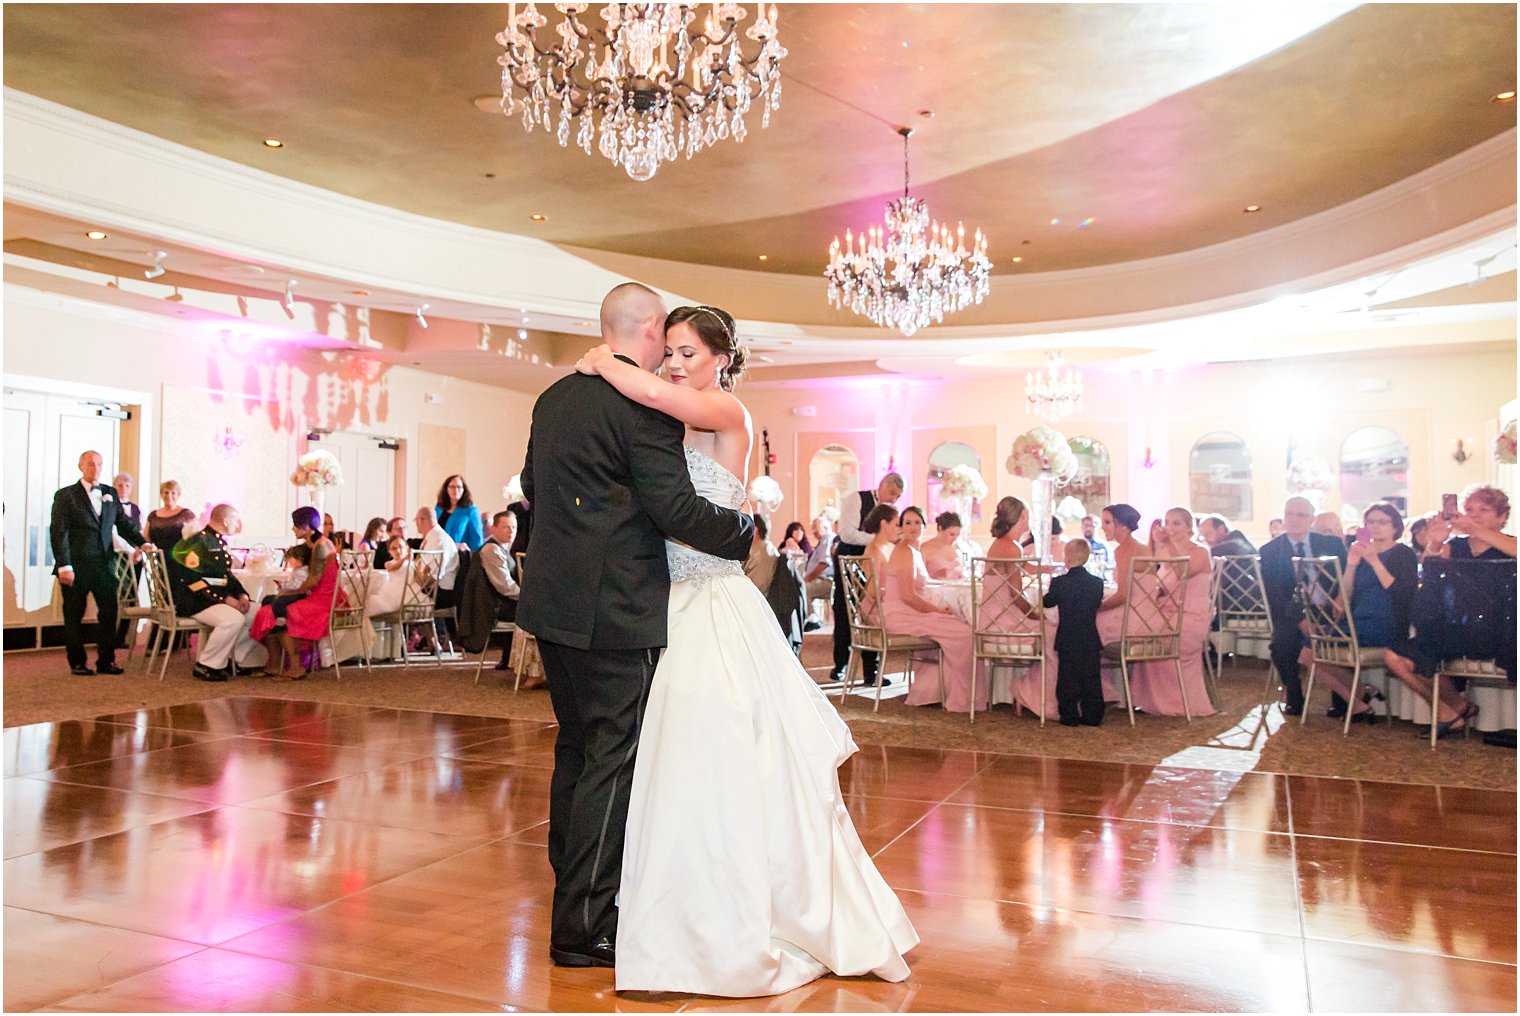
1152 623
422 573
1007 620
159 593
1327 612
347 613
126 581
1240 596
862 599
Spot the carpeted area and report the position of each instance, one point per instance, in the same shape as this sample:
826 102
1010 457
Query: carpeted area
1243 737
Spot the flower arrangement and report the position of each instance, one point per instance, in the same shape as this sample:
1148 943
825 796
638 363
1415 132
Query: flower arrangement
963 483
1070 509
1310 474
831 513
317 469
1042 450
1504 445
513 491
766 493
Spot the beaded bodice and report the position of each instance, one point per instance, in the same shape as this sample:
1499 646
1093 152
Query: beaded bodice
722 488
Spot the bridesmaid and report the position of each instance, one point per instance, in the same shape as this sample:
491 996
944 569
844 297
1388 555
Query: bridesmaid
942 552
1154 685
1119 524
909 613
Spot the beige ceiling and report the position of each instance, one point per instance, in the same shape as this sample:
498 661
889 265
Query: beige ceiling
1159 122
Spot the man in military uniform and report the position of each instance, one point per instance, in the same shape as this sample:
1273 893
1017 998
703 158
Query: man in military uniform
200 574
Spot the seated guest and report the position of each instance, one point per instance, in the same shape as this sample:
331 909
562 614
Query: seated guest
819 574
385 597
1221 540
1297 540
169 524
1328 524
374 534
201 579
393 528
298 564
490 590
942 552
327 526
1077 595
760 566
795 538
912 521
1475 535
902 576
435 537
1010 524
455 512
1057 544
1381 576
1274 528
1119 524
306 610
1417 533
1154 685
1101 561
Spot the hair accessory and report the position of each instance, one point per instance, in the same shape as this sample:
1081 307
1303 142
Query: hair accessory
727 331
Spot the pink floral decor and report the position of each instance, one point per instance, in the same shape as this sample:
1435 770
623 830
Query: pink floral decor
963 484
1310 476
1043 451
1504 445
317 470
513 491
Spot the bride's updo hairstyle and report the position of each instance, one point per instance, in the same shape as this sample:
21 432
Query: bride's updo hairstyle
1009 511
715 328
1124 515
876 516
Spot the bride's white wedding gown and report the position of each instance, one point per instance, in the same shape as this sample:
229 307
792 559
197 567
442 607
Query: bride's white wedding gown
742 872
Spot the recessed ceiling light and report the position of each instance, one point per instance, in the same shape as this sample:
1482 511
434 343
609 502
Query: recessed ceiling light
1087 222
1503 97
765 257
583 324
488 103
1055 222
1018 261
358 292
96 234
1253 208
537 217
273 143
928 114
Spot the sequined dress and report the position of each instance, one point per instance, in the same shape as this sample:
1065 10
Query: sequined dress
742 871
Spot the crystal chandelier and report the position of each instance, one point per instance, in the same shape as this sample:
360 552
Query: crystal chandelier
911 273
641 110
1052 395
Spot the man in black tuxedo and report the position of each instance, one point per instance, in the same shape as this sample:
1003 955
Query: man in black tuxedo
1277 575
85 514
608 483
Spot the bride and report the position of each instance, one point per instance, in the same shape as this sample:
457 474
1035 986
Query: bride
742 872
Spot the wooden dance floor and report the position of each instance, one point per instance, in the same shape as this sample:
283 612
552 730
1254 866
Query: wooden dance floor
258 854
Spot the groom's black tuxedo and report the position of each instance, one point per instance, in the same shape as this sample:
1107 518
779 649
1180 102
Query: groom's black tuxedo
607 481
81 540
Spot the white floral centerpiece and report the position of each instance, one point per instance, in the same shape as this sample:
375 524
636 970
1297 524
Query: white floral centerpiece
1504 445
317 469
1310 475
765 493
1042 451
513 491
962 484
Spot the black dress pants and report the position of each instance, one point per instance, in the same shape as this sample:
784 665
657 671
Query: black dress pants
91 578
599 698
842 635
1287 643
1079 683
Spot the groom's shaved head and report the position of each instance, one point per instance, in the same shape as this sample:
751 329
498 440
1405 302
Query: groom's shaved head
633 323
628 308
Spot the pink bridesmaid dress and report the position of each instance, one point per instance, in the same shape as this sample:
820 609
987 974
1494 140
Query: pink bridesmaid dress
954 638
1154 685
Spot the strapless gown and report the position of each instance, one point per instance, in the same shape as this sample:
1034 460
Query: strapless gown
742 872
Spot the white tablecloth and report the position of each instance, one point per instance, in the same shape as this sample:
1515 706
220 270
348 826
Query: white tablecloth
346 644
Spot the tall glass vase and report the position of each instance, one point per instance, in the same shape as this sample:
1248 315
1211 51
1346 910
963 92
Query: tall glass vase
1041 506
319 500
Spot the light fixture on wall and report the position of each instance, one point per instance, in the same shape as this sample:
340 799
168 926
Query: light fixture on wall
1460 454
158 265
910 272
288 301
228 442
420 319
641 110
1051 394
242 304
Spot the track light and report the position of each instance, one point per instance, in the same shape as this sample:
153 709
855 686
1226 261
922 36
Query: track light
420 319
242 302
175 297
158 265
115 283
288 302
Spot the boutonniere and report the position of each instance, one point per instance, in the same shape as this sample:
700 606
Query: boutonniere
106 497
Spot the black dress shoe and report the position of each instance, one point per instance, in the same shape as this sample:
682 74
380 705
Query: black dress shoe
503 665
205 673
108 668
1369 717
1293 710
1336 712
1070 721
599 955
81 671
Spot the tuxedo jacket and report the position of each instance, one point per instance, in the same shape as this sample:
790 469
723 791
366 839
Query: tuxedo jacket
608 482
1277 570
81 539
1077 594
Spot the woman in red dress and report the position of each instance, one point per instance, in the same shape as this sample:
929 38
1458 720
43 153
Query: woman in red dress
308 611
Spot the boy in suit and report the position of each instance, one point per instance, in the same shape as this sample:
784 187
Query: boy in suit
1078 594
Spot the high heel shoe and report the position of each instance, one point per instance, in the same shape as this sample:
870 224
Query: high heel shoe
1467 715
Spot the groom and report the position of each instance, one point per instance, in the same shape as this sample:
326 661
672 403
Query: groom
607 481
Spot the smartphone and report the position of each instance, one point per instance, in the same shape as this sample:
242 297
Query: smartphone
1363 534
1448 506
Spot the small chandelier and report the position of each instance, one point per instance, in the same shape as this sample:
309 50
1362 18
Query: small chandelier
1052 395
902 278
641 110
